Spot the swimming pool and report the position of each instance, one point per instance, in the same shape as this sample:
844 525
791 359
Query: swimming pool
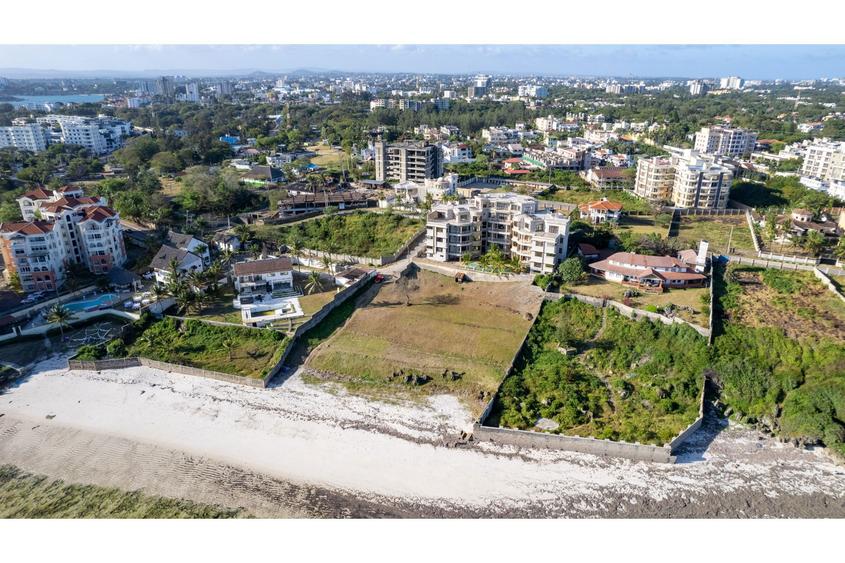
95 303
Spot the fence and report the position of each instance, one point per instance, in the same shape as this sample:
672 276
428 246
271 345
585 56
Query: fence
706 211
828 283
447 269
120 363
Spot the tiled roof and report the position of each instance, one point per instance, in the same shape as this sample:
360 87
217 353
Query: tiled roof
38 193
601 206
99 213
27 228
161 261
267 266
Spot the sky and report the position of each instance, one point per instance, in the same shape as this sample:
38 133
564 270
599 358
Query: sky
691 61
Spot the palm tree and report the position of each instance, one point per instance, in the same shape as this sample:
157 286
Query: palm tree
184 299
296 250
229 346
60 315
312 282
243 232
158 292
173 268
328 261
813 242
226 256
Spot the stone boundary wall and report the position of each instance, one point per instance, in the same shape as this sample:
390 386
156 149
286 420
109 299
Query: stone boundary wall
530 439
770 255
828 283
78 318
629 312
448 269
120 363
706 211
678 440
765 263
754 238
712 319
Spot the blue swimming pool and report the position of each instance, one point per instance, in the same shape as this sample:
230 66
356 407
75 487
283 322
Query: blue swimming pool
94 303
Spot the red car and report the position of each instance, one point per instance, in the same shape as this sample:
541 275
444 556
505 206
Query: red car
379 278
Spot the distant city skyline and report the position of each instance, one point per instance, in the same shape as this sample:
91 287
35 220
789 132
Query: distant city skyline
764 62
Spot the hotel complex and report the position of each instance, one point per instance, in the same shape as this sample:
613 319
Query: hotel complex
60 227
511 222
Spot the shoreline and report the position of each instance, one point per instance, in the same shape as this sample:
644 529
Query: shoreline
314 451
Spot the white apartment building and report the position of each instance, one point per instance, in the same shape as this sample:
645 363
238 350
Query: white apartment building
192 92
28 137
686 179
456 153
725 141
99 135
414 193
697 88
511 222
59 228
825 160
731 83
532 91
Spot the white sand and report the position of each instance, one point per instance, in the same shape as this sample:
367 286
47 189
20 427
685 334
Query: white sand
321 436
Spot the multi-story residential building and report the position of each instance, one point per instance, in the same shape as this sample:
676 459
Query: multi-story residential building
59 228
701 183
456 153
169 258
686 179
409 161
100 135
697 88
192 92
606 178
825 160
731 83
511 222
563 158
601 211
532 91
725 141
29 137
655 177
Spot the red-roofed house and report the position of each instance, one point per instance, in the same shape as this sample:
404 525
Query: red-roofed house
601 211
650 273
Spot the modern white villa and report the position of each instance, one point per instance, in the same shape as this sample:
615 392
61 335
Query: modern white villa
265 291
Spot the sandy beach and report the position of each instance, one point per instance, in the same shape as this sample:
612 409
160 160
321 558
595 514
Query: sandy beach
303 450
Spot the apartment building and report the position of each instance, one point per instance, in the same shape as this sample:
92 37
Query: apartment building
100 135
511 222
59 228
686 179
407 162
725 141
455 153
697 88
28 137
532 91
731 83
825 160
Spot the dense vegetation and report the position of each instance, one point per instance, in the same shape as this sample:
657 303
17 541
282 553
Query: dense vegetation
359 234
792 386
630 380
24 495
235 350
781 191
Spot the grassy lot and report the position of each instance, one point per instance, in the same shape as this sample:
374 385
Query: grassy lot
780 355
359 234
327 157
717 231
24 495
641 225
627 380
629 202
239 351
681 298
792 301
170 187
220 308
473 329
311 303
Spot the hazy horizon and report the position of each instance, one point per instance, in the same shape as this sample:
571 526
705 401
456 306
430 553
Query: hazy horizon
763 62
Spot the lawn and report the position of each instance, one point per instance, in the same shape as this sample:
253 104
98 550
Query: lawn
360 234
24 495
641 225
630 202
718 230
246 352
621 379
471 329
688 302
327 157
311 303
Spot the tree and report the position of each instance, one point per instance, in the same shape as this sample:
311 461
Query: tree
813 242
228 345
571 271
312 282
61 316
408 283
296 247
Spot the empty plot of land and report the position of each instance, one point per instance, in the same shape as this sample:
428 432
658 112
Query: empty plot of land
794 301
432 327
642 225
728 234
327 156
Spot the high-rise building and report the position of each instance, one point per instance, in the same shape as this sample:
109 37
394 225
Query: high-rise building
511 222
192 92
697 88
223 88
725 141
29 137
731 83
407 162
100 135
164 87
686 179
